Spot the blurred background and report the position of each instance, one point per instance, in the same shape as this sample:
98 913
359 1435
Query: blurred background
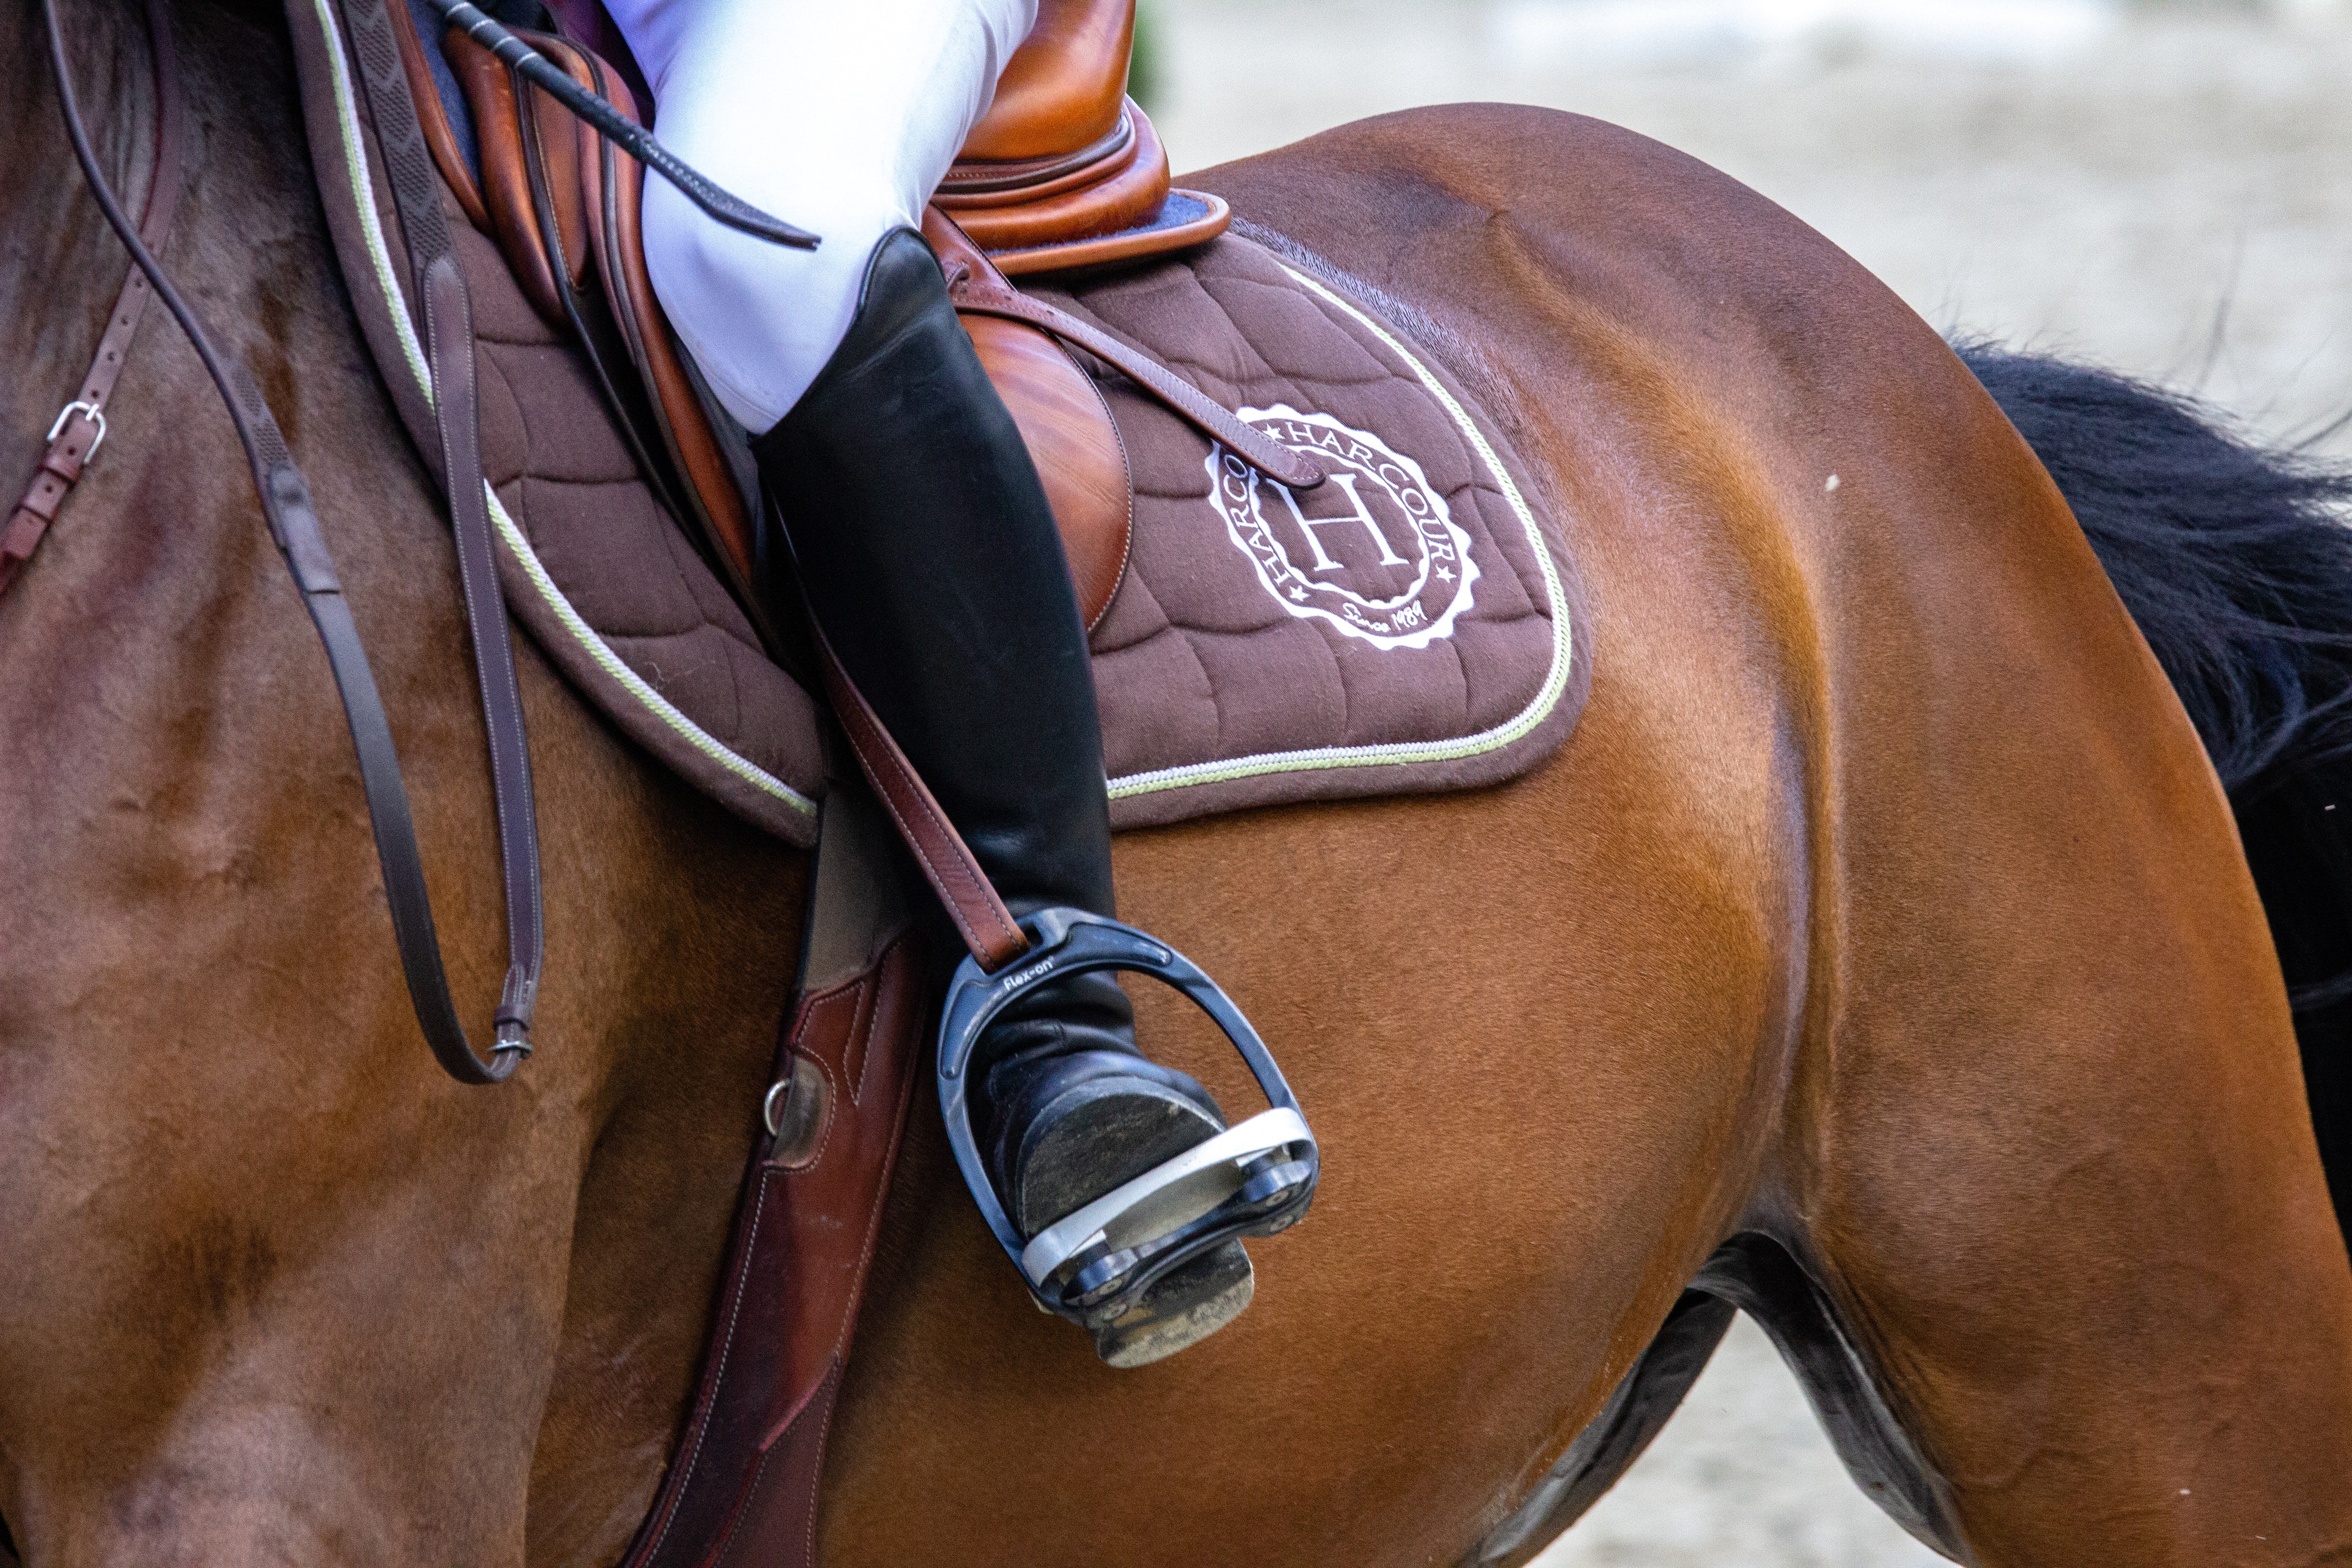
2165 188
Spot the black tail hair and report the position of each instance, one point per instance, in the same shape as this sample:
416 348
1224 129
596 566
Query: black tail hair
2236 560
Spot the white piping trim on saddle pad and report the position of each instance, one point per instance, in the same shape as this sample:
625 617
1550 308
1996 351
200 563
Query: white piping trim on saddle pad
1150 782
1397 753
380 256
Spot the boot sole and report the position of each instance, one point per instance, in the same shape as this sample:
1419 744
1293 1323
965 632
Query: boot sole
1117 1130
1180 1310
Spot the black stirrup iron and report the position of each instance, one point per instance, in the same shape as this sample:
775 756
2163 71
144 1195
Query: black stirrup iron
1253 1179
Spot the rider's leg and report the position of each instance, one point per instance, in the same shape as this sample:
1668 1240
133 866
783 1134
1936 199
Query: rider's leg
919 528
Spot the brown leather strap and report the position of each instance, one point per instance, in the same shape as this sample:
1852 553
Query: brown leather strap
416 193
81 425
985 297
285 506
987 927
449 332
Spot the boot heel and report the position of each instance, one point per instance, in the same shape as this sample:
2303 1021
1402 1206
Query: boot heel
1182 1309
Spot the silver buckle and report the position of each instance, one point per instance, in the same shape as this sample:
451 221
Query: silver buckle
87 410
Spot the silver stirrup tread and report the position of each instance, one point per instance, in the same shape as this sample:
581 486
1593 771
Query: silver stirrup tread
1254 1179
1168 1196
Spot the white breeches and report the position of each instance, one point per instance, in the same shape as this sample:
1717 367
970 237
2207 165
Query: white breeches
839 116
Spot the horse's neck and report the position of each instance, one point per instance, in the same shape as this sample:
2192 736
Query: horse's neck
160 661
61 265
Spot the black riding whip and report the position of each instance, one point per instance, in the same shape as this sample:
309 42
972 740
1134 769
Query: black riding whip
634 138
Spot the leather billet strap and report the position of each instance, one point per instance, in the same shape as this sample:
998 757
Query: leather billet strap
983 297
81 425
293 522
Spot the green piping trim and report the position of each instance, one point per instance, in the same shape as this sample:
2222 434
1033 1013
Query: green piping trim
1399 753
364 197
611 663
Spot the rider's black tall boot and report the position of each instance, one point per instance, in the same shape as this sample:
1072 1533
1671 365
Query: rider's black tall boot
926 546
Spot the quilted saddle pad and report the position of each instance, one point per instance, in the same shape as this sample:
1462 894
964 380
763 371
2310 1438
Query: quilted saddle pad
1411 625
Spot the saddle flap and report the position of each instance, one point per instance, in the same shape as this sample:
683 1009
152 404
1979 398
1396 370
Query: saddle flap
563 206
1067 426
504 202
612 189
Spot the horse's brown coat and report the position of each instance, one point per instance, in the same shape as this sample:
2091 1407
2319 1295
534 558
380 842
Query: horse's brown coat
296 1297
1883 900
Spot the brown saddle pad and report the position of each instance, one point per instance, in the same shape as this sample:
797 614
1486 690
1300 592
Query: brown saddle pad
1410 625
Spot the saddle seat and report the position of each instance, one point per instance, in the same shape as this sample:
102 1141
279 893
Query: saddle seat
1064 172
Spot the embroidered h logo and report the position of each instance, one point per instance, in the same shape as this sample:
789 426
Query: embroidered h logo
1307 525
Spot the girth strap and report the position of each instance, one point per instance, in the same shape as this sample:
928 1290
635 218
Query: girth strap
294 526
81 424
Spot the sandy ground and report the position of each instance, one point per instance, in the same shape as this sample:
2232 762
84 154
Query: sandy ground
2166 191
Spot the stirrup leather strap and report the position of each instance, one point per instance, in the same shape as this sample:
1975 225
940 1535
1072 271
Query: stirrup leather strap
987 927
986 298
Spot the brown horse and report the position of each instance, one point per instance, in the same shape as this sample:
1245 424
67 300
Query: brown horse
1879 954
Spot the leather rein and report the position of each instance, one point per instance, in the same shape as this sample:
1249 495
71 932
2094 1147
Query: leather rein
294 527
